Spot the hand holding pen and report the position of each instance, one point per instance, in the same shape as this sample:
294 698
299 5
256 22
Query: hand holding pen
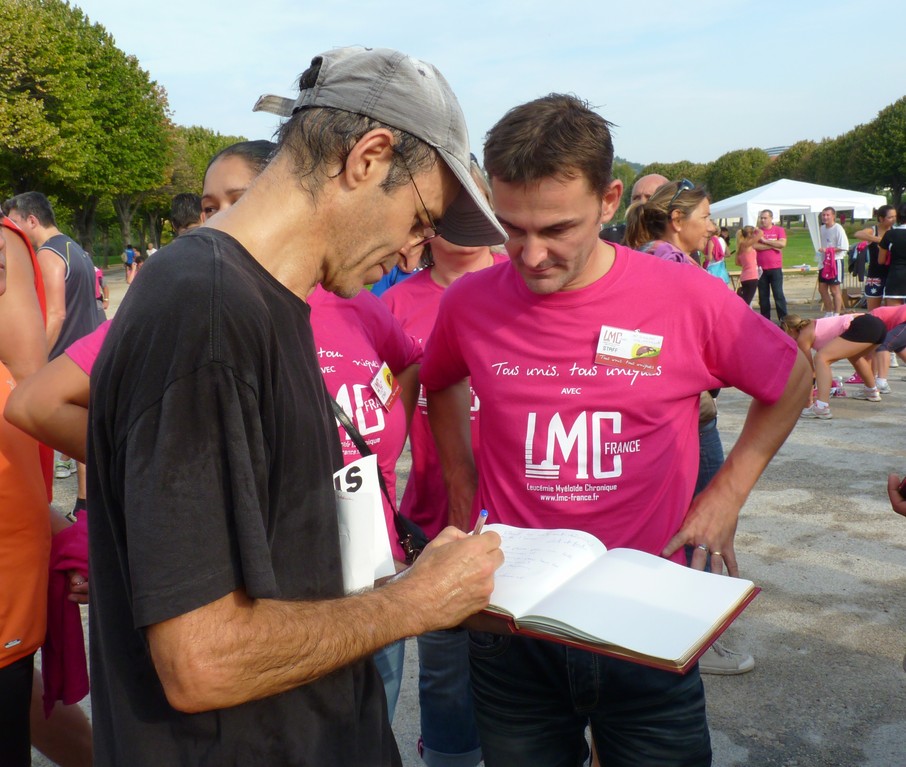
479 523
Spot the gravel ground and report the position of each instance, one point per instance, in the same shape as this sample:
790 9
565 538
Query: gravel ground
819 537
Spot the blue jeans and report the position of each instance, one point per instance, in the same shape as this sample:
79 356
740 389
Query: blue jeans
710 454
449 732
771 281
389 662
533 700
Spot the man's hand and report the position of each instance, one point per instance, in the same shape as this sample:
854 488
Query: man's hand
897 502
710 529
452 579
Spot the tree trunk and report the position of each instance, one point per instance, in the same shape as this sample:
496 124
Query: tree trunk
154 223
83 215
125 206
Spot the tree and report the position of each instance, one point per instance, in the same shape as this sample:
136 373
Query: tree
675 171
879 157
736 172
792 164
45 112
79 118
830 163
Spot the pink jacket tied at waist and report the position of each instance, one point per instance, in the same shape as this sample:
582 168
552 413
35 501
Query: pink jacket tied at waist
829 266
63 661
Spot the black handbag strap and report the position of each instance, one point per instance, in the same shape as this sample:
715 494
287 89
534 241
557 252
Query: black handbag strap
360 443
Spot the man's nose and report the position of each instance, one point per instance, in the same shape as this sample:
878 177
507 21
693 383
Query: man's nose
534 252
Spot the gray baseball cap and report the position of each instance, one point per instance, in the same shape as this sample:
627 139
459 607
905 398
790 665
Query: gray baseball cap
412 96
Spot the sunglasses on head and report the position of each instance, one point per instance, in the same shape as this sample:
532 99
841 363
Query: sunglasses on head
683 186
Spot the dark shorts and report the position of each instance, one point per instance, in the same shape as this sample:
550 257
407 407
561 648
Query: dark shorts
865 329
895 340
874 287
838 279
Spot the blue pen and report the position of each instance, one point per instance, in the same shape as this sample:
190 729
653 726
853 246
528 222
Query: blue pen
482 517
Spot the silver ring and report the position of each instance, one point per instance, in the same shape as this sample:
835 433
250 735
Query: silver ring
702 547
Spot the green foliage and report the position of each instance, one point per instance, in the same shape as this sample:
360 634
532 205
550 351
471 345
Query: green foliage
879 154
198 145
735 172
694 171
791 164
78 117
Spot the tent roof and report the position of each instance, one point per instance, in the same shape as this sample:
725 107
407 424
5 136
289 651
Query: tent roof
790 198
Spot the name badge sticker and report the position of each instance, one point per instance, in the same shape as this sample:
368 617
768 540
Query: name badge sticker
629 349
386 388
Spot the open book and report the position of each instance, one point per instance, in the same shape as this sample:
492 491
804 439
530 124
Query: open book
565 586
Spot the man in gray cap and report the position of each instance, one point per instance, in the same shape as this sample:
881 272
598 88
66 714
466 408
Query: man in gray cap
220 631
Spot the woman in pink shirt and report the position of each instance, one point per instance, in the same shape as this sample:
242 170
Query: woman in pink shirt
847 336
746 258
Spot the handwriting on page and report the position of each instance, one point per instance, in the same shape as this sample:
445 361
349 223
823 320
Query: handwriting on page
530 552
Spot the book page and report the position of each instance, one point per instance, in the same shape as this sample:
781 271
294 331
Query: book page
536 562
642 602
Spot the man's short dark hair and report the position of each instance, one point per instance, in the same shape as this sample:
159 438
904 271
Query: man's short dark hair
319 137
557 135
31 204
185 210
832 210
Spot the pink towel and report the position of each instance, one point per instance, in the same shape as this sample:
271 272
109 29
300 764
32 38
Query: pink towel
829 267
63 661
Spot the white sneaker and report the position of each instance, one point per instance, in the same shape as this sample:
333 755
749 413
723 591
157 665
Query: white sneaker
719 660
64 469
894 362
824 413
883 386
872 395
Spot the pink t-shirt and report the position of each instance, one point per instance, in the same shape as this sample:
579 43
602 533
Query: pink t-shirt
570 443
354 337
773 258
85 351
747 259
890 315
829 328
414 303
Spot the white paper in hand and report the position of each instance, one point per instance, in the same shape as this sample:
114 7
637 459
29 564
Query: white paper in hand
364 541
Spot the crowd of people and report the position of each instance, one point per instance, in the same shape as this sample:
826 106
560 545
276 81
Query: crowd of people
249 362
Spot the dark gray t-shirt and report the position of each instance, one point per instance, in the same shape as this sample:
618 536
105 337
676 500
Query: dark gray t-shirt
212 447
81 307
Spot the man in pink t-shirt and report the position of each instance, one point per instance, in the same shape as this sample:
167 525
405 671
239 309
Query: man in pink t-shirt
770 260
590 400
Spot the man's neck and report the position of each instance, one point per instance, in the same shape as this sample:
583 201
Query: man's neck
44 233
281 227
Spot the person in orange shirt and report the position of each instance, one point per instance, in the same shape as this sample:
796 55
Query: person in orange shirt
24 554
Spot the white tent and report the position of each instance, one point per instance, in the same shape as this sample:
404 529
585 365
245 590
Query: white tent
796 198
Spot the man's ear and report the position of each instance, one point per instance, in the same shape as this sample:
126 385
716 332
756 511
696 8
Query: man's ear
610 200
370 158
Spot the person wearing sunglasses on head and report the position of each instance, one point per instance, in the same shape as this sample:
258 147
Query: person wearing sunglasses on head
220 630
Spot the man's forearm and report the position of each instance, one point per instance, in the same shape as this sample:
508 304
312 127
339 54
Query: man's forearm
449 415
765 430
54 326
239 649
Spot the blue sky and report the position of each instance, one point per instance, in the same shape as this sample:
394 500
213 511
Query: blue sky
680 80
